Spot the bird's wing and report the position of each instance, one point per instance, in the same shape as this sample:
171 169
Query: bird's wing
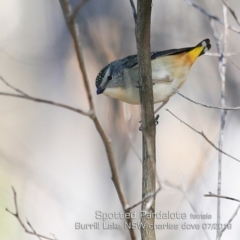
132 61
164 62
160 73
155 55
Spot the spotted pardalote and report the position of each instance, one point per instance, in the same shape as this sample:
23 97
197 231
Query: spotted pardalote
119 79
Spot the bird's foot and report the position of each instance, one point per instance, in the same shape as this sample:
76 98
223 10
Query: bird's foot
156 122
156 119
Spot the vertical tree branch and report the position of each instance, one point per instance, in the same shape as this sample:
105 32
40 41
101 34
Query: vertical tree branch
222 73
143 27
74 30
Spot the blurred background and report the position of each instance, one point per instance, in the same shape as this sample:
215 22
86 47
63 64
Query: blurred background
55 159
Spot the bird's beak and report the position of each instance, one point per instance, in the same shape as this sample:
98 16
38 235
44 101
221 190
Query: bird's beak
100 90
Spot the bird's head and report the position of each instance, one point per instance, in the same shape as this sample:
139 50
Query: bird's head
103 78
109 78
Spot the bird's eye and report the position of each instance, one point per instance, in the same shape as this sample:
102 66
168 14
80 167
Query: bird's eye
109 77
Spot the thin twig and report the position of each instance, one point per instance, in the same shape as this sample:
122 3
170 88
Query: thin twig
233 63
74 30
26 96
150 195
234 214
204 136
229 54
78 8
29 224
183 190
230 220
231 11
134 11
133 147
56 104
203 104
12 87
16 215
220 196
215 18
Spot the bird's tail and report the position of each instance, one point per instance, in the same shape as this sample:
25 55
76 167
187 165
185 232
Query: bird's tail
205 45
199 50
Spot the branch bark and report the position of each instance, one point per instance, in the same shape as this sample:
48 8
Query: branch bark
143 27
74 30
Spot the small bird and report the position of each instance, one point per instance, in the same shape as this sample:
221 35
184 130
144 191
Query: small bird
119 79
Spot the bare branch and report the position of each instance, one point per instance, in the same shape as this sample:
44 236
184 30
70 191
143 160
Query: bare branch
15 89
91 114
229 54
231 11
143 29
222 74
78 8
74 30
234 214
220 196
26 96
205 105
234 64
56 104
147 197
215 18
16 215
230 220
204 136
29 224
183 190
134 11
